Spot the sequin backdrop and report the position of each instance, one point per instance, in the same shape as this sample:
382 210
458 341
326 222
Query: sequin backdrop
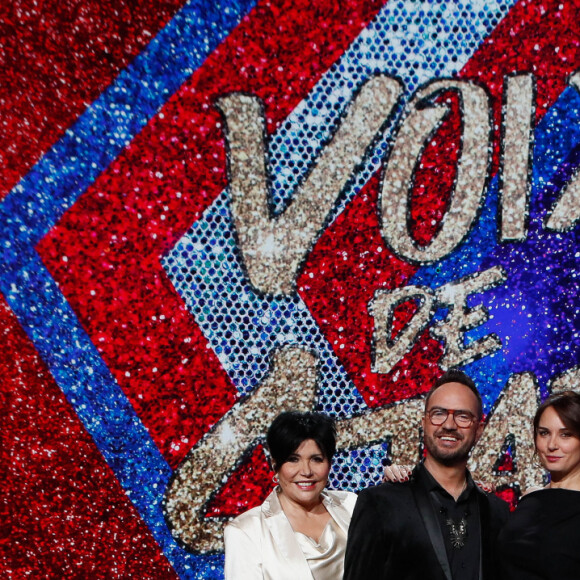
212 211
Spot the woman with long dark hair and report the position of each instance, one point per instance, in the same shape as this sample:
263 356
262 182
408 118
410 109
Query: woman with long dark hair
541 539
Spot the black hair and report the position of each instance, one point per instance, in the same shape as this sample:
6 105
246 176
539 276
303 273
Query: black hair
457 376
567 406
291 428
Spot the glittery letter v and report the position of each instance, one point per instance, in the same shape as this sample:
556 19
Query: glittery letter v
273 247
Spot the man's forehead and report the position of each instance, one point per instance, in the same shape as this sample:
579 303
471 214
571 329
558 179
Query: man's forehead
454 395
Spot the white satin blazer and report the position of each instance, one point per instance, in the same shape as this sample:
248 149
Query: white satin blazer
260 543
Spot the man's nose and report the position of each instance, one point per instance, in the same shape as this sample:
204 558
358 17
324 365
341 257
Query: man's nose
449 423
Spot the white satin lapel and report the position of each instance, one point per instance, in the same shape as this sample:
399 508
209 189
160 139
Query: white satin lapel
339 513
284 538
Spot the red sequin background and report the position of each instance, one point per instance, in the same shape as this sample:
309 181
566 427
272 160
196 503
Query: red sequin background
63 512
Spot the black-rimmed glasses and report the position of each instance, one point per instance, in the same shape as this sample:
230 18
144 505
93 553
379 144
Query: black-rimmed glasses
438 416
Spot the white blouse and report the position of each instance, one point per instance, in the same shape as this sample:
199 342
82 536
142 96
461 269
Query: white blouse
325 557
261 544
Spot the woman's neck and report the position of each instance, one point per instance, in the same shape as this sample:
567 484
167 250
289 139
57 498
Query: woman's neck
308 519
569 480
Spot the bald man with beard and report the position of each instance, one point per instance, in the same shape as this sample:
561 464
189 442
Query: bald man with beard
438 525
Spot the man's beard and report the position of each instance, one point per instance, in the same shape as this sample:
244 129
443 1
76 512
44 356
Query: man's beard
449 457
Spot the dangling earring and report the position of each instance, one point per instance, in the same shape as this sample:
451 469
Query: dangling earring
275 479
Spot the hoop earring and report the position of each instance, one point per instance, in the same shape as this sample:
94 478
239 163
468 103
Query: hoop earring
276 479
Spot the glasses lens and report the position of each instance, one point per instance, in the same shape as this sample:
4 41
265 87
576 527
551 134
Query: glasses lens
463 419
438 416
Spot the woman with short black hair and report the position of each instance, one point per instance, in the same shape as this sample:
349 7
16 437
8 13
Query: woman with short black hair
300 530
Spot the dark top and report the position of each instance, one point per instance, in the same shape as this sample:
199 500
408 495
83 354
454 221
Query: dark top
459 524
541 540
395 533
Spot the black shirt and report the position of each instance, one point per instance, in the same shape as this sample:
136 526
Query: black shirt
459 523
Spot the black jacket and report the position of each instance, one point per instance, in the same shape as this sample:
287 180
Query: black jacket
395 534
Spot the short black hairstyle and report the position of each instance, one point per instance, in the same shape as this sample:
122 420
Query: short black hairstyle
567 406
457 376
291 428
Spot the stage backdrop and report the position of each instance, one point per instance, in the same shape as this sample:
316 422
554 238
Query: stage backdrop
213 211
